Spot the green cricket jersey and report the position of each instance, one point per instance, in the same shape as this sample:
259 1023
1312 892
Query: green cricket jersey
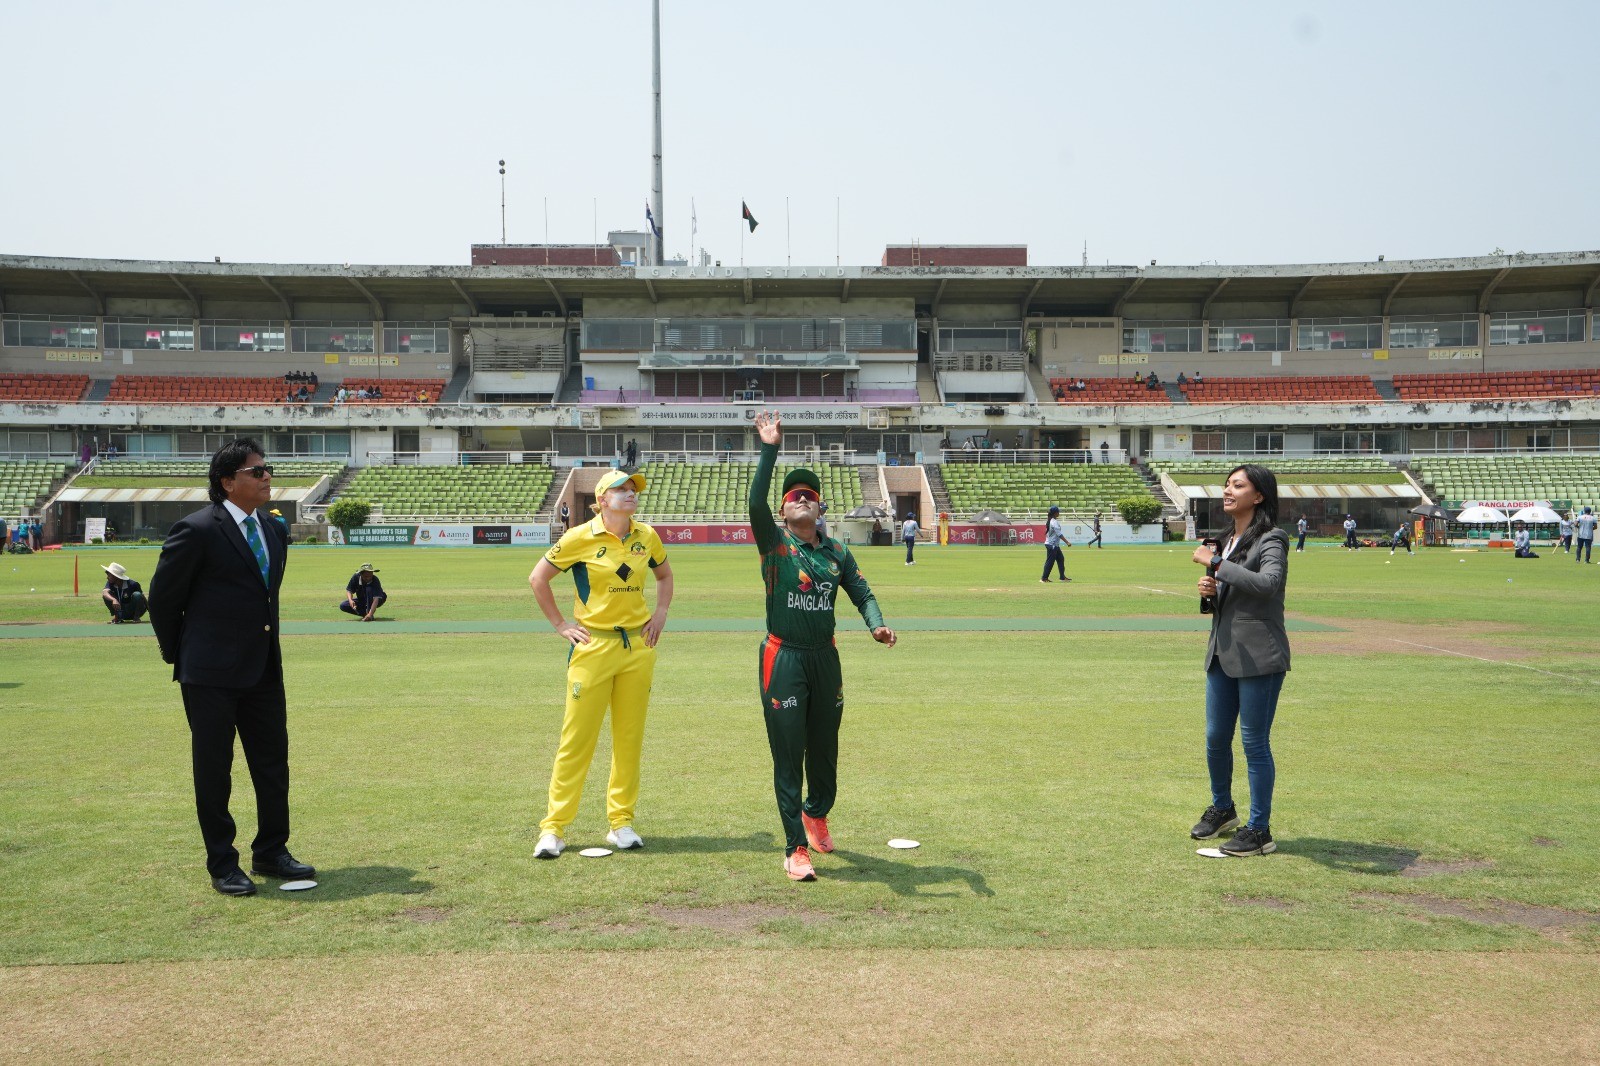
802 580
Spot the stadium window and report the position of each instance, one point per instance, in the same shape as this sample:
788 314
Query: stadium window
1536 327
1338 334
431 338
619 334
242 335
331 337
989 338
1159 336
49 331
149 333
1433 331
865 333
1264 335
1213 442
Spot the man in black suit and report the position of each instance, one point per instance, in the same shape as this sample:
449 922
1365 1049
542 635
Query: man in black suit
214 608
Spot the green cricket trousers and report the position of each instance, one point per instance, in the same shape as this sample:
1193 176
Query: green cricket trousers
802 696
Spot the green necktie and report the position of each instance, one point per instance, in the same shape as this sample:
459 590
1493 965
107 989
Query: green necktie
254 540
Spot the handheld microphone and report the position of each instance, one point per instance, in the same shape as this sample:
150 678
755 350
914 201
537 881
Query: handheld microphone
1208 604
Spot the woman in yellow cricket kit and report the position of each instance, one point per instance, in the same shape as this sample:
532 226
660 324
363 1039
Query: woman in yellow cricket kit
612 656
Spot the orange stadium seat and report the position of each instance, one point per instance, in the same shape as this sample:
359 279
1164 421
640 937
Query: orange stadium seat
398 390
43 388
129 388
1107 391
1299 389
1502 385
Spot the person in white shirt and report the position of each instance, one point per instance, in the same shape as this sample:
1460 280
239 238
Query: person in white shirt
1585 524
1566 535
1054 536
1350 533
908 533
1300 528
1522 543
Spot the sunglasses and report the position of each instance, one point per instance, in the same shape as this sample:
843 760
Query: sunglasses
258 471
796 495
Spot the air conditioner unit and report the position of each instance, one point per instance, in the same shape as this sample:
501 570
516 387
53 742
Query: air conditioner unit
519 314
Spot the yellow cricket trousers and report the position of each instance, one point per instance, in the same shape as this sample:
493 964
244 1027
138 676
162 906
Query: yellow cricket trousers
608 671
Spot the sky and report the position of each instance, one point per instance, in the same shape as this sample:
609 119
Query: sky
1236 133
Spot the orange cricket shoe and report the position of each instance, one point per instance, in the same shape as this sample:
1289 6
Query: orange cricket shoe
798 866
817 832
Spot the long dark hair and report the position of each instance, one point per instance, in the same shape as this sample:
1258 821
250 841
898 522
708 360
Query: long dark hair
227 460
1265 520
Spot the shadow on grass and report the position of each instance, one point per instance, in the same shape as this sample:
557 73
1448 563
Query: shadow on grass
907 879
10 684
757 842
353 882
1351 857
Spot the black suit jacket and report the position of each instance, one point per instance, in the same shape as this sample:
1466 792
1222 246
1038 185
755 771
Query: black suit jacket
215 620
1248 638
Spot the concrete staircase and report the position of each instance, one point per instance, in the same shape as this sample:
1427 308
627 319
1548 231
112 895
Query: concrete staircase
1040 384
99 389
1174 393
1169 509
927 385
936 486
872 487
456 386
1385 387
571 390
552 499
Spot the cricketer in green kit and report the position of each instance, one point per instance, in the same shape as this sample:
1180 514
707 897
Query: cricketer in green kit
802 692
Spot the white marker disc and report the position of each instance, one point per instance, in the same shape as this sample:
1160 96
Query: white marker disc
903 844
296 886
595 853
1211 853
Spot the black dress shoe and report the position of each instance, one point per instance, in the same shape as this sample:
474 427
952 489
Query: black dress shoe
283 867
234 883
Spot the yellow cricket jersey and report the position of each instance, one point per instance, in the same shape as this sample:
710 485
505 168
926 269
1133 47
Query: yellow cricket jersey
608 574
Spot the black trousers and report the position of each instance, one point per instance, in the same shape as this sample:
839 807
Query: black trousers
258 715
1054 556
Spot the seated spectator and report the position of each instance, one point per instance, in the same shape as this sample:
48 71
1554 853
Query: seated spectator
1196 379
376 393
1083 386
122 595
1060 393
1138 379
1181 380
1152 382
364 594
422 395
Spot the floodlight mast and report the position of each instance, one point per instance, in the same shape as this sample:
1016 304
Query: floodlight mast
655 86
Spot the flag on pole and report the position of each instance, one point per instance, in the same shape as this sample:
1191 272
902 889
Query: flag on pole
650 220
748 217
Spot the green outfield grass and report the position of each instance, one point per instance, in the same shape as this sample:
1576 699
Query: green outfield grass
1437 746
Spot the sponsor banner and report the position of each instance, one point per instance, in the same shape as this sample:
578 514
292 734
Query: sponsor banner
704 534
1455 353
491 535
381 535
708 414
531 534
373 360
1079 533
94 529
1508 506
443 536
1130 358
72 355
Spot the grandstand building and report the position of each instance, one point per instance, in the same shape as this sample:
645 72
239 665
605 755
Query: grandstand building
893 374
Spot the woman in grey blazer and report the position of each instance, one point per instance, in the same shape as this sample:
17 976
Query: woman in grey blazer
1247 655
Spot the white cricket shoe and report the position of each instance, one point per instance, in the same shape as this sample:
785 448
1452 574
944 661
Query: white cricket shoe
550 846
624 839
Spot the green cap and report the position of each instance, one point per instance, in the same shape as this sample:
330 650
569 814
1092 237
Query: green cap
801 476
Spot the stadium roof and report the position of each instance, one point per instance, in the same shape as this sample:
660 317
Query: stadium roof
1062 291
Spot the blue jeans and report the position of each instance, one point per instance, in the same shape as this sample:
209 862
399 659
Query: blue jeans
1253 703
1585 550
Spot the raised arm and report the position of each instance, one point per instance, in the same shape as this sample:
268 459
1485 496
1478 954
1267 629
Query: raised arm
762 525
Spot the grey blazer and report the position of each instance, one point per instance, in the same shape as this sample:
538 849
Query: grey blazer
1247 634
